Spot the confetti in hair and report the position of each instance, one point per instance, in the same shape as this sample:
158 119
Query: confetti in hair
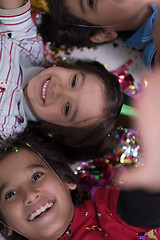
28 145
15 149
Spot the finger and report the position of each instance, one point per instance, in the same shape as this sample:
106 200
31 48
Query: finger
134 179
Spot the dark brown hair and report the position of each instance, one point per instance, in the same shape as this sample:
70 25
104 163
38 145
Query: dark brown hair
62 27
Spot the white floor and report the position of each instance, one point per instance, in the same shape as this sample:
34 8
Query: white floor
1 238
112 55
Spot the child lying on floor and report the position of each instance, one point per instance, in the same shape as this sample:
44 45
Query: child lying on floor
80 23
40 200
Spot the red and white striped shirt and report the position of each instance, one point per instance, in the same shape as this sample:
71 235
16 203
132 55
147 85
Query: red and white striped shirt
19 46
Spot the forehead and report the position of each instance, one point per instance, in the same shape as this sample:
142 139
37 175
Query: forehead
20 159
15 166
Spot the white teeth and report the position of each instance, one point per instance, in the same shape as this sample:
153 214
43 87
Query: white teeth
44 90
40 210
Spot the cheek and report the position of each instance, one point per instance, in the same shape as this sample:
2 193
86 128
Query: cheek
2 215
31 84
43 113
51 183
50 114
57 188
11 214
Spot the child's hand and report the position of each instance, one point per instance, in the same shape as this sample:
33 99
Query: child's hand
148 176
11 4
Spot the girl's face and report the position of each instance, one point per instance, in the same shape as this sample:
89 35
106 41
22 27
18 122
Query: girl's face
33 200
66 97
105 12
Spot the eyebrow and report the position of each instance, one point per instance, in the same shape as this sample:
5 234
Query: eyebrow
30 167
75 113
3 187
81 3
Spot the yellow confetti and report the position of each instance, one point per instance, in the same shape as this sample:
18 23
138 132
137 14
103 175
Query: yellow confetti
93 227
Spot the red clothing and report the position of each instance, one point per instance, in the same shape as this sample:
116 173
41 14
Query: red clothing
100 220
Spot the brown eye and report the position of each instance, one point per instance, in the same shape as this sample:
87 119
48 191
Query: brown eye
67 108
36 176
91 3
74 81
10 194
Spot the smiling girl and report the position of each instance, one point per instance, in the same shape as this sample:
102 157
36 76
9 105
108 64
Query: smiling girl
66 97
39 200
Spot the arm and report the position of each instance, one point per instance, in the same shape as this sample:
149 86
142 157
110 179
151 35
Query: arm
147 177
25 43
18 21
11 4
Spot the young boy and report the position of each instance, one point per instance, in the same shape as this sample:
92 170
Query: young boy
78 95
83 22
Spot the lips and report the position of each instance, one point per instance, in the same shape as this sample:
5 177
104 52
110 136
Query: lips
44 89
40 211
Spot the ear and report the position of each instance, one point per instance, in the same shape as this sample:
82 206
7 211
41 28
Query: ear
103 36
10 232
72 186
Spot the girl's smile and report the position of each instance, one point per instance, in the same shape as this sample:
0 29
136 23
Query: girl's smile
44 89
40 211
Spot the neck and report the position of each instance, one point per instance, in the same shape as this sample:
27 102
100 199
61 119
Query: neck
135 23
141 18
68 229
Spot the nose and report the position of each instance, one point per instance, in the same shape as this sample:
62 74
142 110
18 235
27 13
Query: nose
31 195
58 91
62 89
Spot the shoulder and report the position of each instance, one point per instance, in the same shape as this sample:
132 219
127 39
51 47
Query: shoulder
107 195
